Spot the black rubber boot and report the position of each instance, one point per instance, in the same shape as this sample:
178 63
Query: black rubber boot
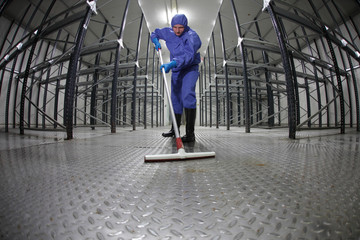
171 133
190 115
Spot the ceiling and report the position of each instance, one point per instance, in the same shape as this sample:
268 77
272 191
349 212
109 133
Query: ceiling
202 16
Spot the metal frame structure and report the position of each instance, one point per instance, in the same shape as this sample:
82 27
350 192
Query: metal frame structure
310 65
77 76
53 79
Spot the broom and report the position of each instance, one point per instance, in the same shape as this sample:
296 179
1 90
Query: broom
181 154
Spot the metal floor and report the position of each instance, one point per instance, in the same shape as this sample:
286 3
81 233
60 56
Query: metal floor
261 185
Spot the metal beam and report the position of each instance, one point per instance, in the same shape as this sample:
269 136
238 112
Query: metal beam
287 68
116 69
71 75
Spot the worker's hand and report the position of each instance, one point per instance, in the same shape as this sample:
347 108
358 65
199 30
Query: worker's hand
168 66
157 44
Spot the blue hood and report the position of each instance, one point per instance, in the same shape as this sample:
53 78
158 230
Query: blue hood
179 19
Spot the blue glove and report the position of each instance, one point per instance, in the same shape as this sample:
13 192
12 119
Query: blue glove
168 66
157 44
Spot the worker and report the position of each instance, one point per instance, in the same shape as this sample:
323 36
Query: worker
183 44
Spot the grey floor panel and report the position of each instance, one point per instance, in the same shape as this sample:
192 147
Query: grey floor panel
261 185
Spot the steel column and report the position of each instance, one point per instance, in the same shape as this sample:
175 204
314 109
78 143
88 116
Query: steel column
133 103
210 95
152 88
357 105
24 86
216 85
325 86
227 106
337 70
95 79
1 49
12 72
9 94
353 75
76 94
269 91
341 54
146 80
202 90
116 70
245 75
238 96
339 83
39 88
288 74
157 93
57 88
71 75
305 79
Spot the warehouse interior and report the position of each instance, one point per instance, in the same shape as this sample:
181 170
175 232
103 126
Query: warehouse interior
83 101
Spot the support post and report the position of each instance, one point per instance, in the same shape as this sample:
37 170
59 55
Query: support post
288 73
31 54
227 106
246 80
133 103
116 70
71 75
146 80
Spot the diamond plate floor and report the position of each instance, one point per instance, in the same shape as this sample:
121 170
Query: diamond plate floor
261 185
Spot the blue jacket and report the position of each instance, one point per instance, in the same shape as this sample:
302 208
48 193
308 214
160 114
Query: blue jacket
183 49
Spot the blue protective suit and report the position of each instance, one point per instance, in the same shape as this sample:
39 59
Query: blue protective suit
183 49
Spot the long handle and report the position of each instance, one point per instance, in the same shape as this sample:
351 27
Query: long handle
176 129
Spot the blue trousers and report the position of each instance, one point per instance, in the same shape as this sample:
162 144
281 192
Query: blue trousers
183 85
